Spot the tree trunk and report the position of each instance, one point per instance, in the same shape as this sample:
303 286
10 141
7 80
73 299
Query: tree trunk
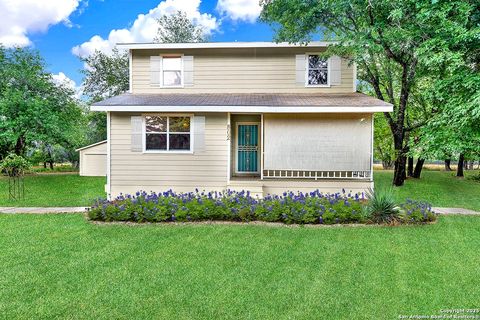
45 165
387 164
418 168
51 164
410 166
400 170
20 146
447 165
460 165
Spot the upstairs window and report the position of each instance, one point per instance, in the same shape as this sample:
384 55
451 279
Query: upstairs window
165 133
172 71
317 71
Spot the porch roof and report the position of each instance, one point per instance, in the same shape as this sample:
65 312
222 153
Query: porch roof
243 102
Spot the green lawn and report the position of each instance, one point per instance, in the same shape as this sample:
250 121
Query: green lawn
440 188
61 266
50 190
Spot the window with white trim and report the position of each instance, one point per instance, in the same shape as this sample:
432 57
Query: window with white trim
317 70
172 71
168 133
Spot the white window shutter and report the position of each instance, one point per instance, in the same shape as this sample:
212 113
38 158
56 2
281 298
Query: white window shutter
300 66
198 134
335 70
155 66
188 71
136 123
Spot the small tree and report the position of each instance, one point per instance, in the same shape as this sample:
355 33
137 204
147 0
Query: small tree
15 166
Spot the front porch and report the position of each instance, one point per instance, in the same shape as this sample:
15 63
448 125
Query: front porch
267 155
326 147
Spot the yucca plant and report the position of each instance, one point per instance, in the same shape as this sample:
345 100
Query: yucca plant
381 206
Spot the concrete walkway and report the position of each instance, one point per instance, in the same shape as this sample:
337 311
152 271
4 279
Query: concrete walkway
41 210
454 211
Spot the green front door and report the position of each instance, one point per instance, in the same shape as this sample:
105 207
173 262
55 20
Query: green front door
247 148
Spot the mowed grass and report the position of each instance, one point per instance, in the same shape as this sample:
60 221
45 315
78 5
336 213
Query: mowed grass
61 266
55 190
440 188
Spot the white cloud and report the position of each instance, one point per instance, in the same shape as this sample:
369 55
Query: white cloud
62 79
20 17
144 28
247 10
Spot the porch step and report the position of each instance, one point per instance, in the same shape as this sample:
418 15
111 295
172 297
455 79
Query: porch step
254 186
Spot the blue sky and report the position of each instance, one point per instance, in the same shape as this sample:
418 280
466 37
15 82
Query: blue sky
62 30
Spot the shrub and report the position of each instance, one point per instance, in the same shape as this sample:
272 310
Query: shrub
14 165
300 208
381 206
416 212
313 207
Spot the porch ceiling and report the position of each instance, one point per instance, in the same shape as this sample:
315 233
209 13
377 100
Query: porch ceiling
351 102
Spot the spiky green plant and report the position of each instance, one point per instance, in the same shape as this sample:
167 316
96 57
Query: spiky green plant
381 206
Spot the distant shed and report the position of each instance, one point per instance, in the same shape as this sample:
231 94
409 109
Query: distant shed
93 159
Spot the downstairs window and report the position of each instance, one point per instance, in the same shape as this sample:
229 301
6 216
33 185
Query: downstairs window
168 133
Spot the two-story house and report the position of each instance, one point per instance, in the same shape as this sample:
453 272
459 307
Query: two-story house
258 116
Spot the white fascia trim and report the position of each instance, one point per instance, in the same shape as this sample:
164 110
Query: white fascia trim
246 109
109 157
130 71
206 45
91 145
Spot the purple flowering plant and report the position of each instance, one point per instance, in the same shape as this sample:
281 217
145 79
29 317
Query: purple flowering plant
301 208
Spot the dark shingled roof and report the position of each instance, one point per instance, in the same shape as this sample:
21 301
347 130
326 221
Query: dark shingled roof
244 99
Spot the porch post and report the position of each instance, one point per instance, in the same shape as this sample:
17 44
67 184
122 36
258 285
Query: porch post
229 140
371 150
261 146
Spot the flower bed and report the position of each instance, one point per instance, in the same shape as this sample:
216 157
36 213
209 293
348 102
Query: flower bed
301 208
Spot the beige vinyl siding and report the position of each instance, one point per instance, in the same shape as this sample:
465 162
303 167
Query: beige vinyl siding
267 70
93 160
134 171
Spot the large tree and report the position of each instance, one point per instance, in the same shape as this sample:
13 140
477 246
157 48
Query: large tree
33 107
389 40
177 28
105 76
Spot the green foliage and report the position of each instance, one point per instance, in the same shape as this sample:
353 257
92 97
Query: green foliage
33 108
309 208
105 75
403 49
382 207
416 212
383 142
177 28
14 165
312 208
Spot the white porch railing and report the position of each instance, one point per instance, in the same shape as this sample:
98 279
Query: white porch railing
302 174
